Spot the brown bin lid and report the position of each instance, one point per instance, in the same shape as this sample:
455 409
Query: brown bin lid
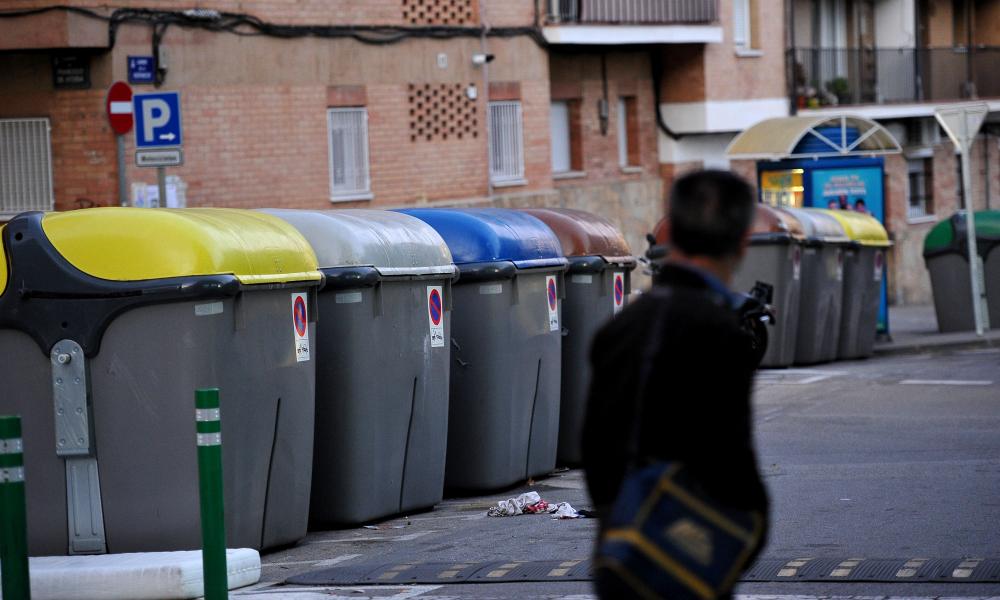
767 220
770 220
584 234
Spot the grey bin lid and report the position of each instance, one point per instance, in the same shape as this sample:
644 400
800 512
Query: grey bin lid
819 226
393 243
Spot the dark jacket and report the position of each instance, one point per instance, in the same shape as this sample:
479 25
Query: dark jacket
696 405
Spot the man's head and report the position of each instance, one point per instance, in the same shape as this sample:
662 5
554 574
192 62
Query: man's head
710 215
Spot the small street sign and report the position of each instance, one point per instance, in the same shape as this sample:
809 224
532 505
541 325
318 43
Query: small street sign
141 69
119 107
962 122
157 120
159 157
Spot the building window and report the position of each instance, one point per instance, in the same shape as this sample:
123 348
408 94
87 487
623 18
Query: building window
564 121
921 188
628 133
349 175
506 143
745 25
25 166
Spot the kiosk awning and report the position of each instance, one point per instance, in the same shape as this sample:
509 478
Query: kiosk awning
813 137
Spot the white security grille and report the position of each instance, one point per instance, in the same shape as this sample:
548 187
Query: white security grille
349 177
506 143
25 166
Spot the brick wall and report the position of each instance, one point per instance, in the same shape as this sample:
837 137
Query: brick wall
578 77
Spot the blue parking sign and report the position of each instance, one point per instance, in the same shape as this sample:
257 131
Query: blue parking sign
157 120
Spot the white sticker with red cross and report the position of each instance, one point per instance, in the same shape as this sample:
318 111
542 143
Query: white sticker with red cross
552 299
300 325
879 260
618 291
435 315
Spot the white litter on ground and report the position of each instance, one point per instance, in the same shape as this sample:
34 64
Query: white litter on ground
138 576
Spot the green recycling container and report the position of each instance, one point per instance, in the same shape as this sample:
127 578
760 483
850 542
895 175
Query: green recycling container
946 255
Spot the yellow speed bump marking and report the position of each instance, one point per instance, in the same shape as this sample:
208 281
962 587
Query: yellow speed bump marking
844 569
394 572
564 568
453 571
502 570
966 567
911 567
791 568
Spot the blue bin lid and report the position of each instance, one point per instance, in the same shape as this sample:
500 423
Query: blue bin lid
481 235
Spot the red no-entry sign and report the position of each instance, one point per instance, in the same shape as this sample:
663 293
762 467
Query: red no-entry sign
119 107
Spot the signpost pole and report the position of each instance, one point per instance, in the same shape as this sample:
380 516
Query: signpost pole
161 181
962 124
975 261
122 180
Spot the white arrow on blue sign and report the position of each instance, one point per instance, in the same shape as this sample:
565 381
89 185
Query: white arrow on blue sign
157 120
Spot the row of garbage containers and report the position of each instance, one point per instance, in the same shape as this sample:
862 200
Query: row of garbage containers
946 254
350 388
826 267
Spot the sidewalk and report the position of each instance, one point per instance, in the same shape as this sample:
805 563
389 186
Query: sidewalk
913 329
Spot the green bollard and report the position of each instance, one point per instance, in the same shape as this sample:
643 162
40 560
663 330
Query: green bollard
13 518
213 527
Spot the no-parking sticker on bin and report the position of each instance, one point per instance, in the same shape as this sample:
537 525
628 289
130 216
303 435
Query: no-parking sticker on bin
618 294
552 297
435 315
300 325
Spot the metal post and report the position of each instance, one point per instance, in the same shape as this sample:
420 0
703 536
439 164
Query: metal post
975 261
122 180
161 181
213 528
13 518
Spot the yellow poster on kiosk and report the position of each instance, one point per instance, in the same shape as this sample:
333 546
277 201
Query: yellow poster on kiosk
782 188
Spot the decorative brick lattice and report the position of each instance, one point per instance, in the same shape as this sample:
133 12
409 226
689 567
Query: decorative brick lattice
441 111
439 12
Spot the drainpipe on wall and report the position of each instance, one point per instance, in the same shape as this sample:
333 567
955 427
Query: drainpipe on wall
793 104
484 48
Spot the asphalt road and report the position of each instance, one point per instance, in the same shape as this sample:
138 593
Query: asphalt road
888 458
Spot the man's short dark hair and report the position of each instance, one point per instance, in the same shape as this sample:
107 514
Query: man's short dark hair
710 212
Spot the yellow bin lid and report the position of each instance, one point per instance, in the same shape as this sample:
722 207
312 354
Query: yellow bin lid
861 228
136 244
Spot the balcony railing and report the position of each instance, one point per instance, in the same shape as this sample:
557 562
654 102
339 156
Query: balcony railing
825 76
634 12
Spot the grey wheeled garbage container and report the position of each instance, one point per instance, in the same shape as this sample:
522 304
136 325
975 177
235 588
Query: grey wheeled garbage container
598 282
382 363
864 270
775 257
946 255
822 286
109 321
503 424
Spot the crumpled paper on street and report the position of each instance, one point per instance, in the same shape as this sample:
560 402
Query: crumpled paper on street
532 503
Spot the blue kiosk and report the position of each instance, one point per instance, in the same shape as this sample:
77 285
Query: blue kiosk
821 162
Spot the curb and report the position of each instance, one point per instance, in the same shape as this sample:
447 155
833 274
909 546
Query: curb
990 340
